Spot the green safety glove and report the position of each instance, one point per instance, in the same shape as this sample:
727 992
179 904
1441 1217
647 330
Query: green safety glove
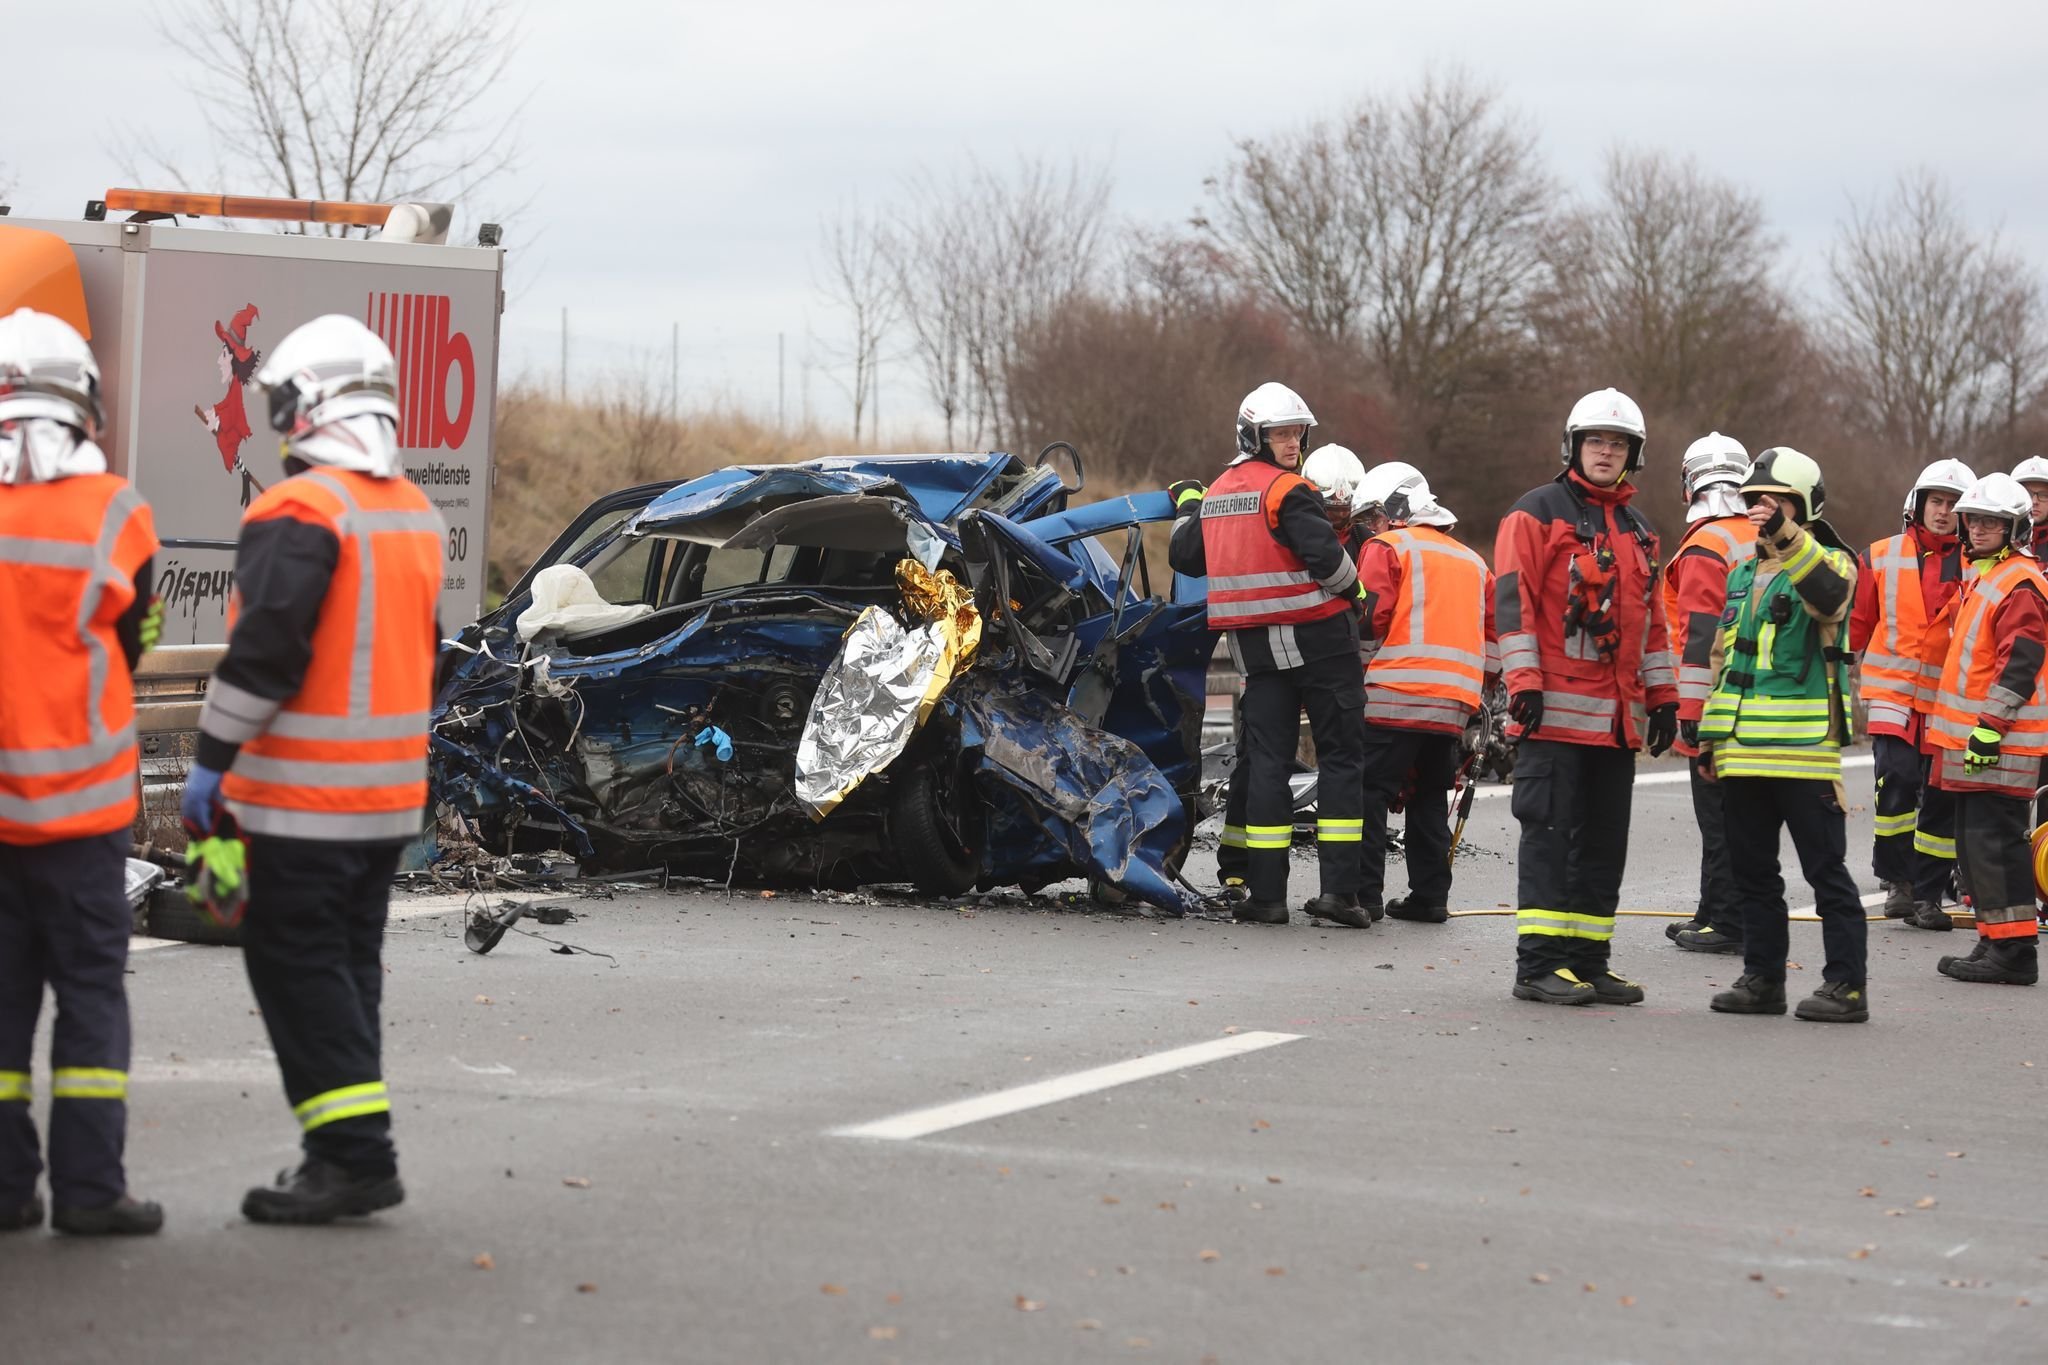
152 624
217 877
1983 750
1185 491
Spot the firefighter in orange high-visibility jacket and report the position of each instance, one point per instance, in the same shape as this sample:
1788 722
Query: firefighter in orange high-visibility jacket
1590 680
1283 592
1989 729
314 737
1429 649
1900 629
1718 537
76 613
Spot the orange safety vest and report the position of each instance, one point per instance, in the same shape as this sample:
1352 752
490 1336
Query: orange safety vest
1729 539
1967 677
345 759
1254 579
1432 664
69 552
1903 661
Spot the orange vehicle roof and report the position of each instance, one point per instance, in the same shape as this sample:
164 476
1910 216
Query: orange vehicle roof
37 270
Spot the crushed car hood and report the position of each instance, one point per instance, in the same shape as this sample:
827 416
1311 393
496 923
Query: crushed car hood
715 507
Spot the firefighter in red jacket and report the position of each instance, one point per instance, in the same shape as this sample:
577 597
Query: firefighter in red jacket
1718 536
76 613
314 736
1988 726
1590 680
1430 652
1902 587
1283 592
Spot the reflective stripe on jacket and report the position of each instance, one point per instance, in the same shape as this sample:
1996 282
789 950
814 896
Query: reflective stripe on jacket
1992 676
1427 671
1254 578
345 758
1908 637
1589 697
69 553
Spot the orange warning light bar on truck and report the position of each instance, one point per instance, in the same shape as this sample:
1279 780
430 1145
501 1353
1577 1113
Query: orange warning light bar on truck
247 206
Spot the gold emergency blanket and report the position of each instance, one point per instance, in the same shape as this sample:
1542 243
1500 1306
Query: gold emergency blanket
883 684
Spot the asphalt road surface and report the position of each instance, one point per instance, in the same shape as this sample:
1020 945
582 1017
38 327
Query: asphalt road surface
1368 1152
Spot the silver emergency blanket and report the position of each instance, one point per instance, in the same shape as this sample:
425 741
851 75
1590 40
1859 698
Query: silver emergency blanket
882 685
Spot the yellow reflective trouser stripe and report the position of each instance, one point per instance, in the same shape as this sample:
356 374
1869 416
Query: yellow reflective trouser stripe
1564 924
1268 836
14 1085
1890 826
1233 836
88 1083
1933 845
1340 831
349 1102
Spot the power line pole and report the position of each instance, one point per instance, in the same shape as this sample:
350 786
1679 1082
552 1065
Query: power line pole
675 367
781 385
565 353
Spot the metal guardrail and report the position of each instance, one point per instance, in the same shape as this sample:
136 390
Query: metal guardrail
170 687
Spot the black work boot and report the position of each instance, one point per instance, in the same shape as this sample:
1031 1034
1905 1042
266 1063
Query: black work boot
1836 1002
1609 989
1949 960
1234 891
1679 926
1377 911
20 1217
2006 962
1343 910
1751 995
1928 915
1561 987
1408 908
1898 900
318 1192
1707 940
1260 912
125 1217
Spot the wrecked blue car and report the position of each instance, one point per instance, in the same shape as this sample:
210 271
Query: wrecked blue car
643 705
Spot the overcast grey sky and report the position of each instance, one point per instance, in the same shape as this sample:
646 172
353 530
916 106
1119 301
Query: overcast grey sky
679 156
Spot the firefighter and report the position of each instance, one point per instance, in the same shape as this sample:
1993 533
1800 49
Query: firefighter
1718 538
1335 471
1430 651
1773 729
1898 628
314 737
1589 680
76 611
2032 474
1283 593
1989 729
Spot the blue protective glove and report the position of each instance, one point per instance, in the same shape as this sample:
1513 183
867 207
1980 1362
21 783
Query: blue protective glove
720 741
201 807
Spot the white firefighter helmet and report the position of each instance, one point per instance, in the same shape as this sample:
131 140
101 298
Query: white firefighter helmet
333 390
1269 405
2033 469
1398 491
1998 495
1945 476
1605 410
1712 459
49 400
1335 472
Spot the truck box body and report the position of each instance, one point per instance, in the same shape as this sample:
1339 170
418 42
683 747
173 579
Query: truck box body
164 302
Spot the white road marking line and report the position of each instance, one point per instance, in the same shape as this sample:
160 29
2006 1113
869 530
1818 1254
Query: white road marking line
400 910
1955 1251
937 1119
1664 779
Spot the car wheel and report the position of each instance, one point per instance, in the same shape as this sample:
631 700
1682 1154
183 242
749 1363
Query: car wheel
171 916
934 818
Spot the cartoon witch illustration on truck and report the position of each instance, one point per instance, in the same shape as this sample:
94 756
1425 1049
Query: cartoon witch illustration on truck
226 419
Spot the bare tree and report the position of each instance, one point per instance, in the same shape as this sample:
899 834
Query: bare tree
981 260
1664 286
1413 228
381 100
1936 331
858 280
